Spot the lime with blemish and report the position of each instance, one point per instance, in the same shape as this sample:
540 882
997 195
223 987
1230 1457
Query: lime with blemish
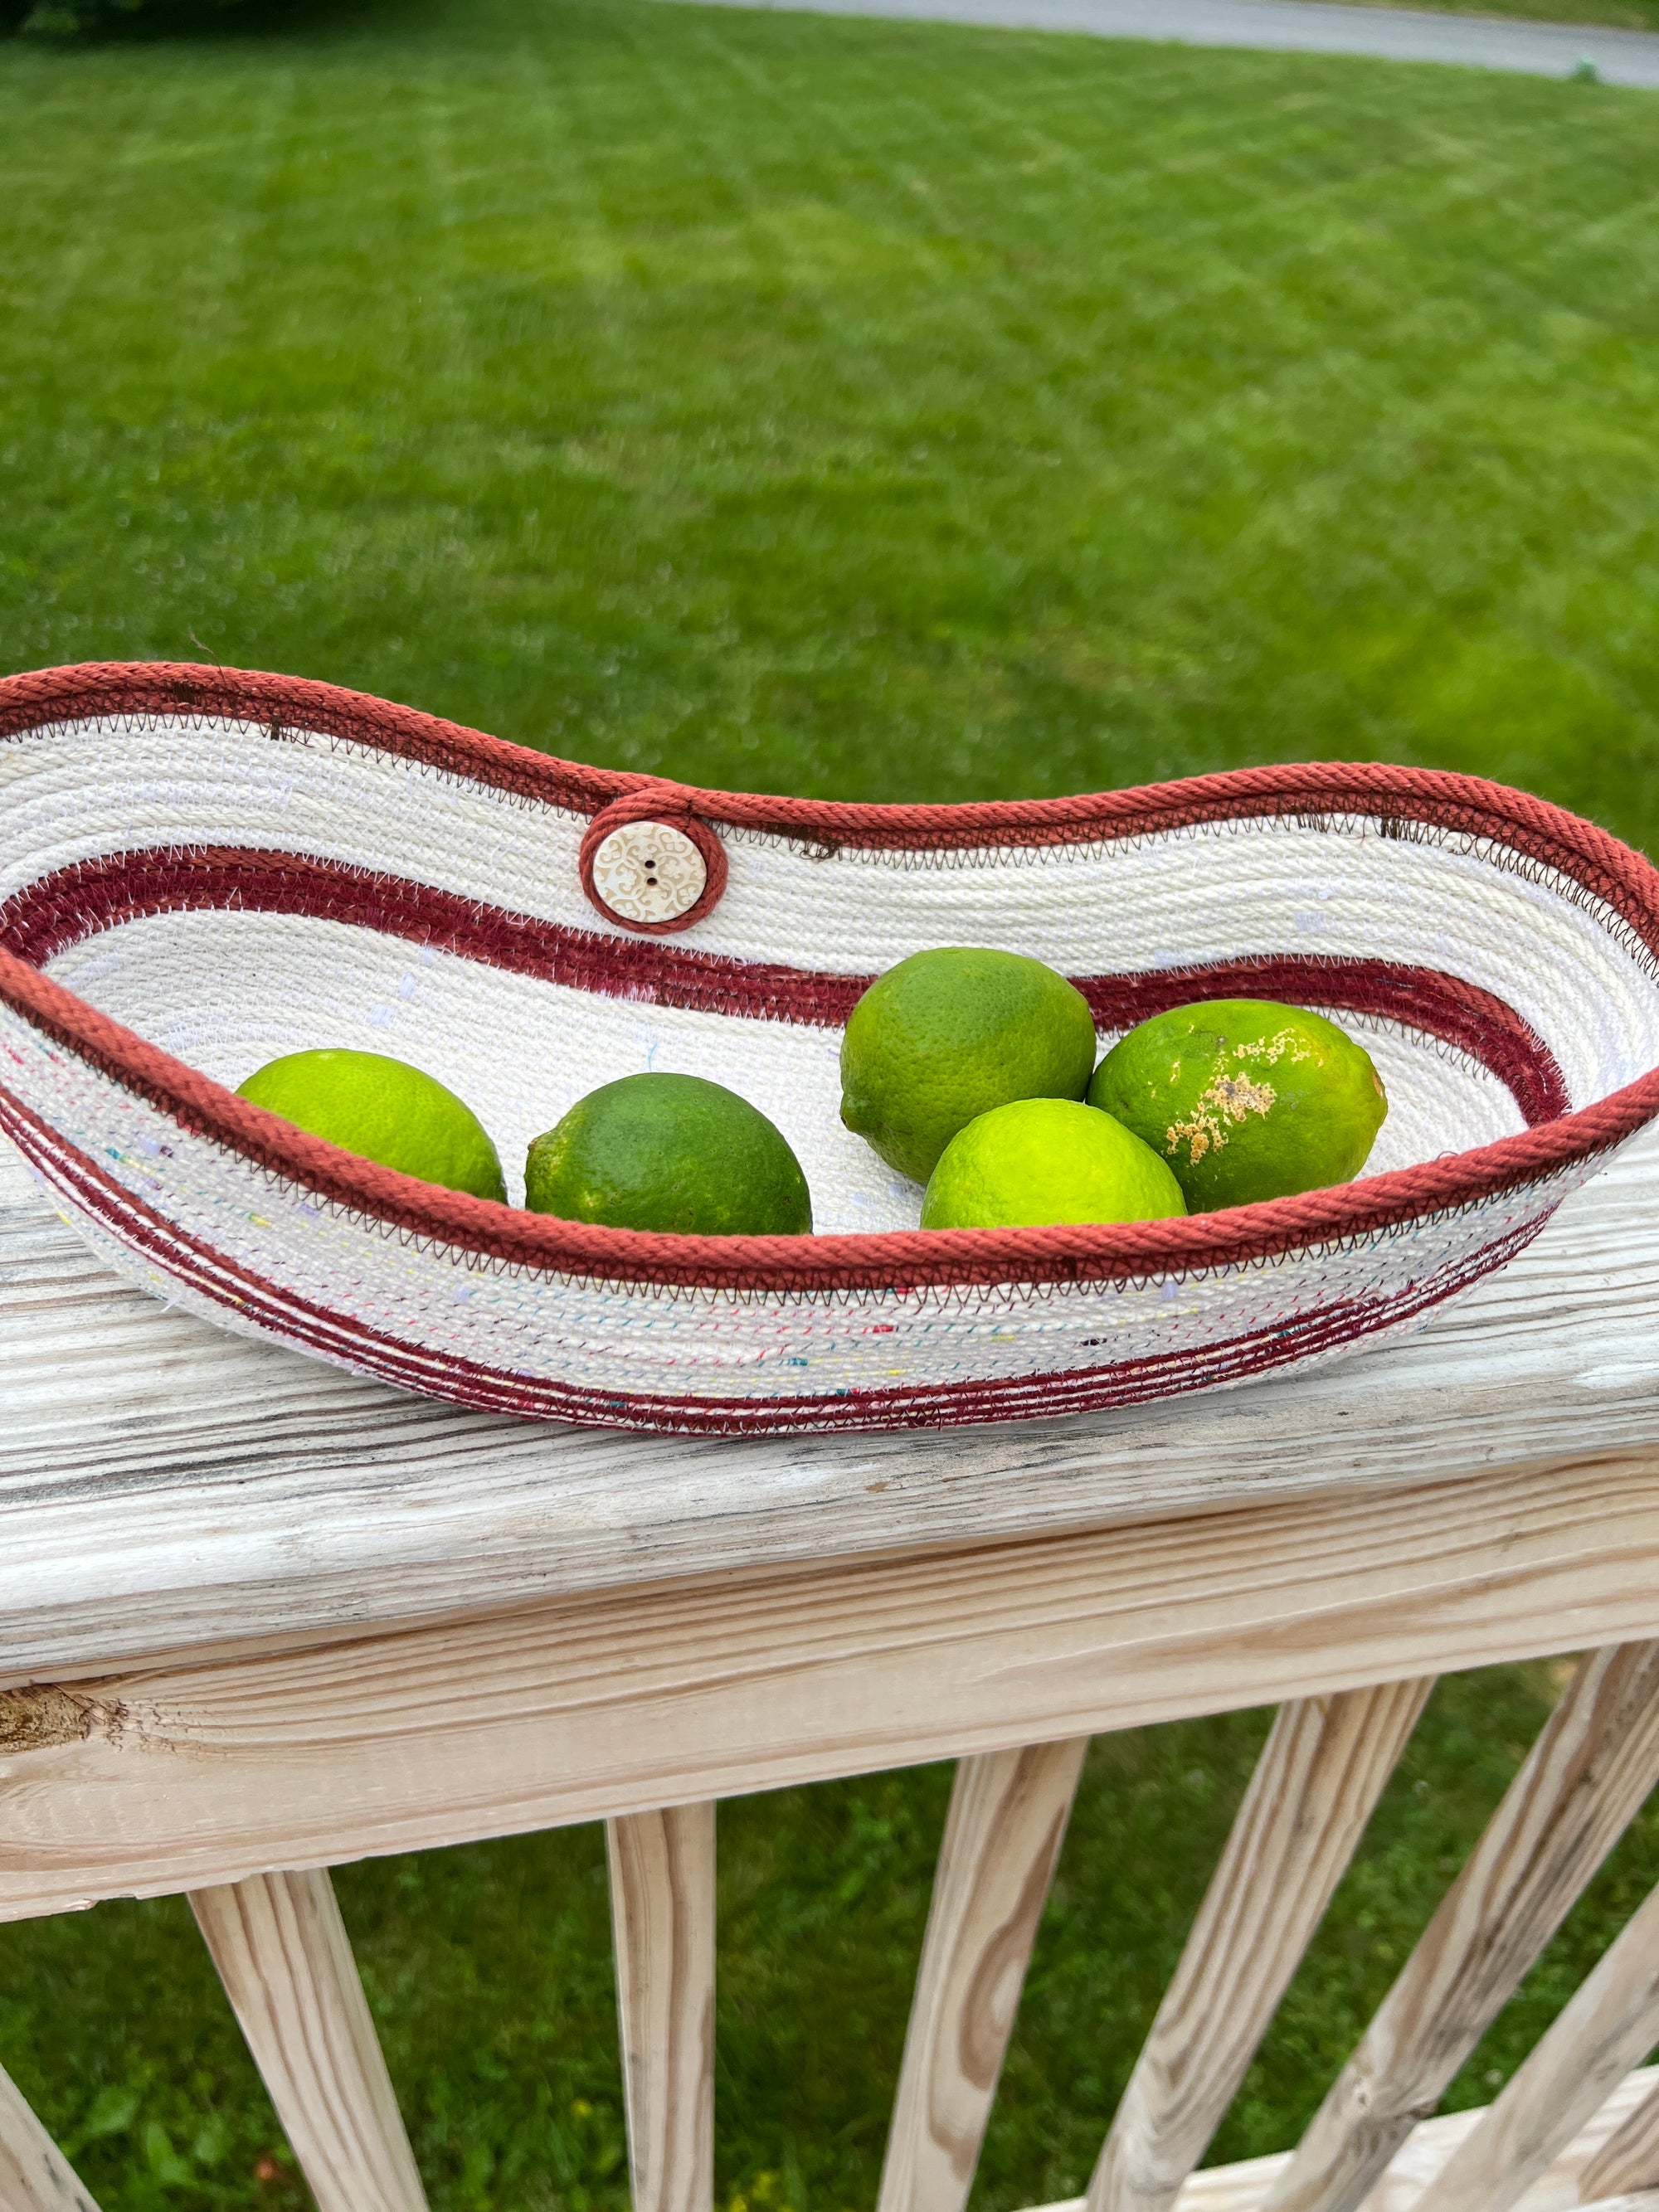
1244 1099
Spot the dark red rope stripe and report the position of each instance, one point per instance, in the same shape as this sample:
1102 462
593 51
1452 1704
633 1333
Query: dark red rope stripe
77 902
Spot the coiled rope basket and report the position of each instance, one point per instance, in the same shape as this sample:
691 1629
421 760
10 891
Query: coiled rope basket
201 869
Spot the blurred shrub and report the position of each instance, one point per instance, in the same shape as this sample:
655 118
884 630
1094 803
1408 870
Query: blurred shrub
66 19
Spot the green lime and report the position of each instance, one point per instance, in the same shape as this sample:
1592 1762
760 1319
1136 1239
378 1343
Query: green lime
945 1037
670 1152
1047 1160
1245 1099
382 1110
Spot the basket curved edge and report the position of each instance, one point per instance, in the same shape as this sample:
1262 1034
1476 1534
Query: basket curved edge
1604 867
1466 804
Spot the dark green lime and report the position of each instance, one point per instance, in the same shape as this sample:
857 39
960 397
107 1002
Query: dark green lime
669 1152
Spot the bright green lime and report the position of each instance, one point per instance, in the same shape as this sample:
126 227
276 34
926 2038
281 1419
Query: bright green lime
1046 1160
945 1037
670 1152
382 1110
1245 1099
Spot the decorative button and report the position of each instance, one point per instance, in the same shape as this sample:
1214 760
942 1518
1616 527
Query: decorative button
648 872
649 864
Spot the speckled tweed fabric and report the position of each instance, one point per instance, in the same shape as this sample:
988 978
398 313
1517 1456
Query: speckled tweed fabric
199 870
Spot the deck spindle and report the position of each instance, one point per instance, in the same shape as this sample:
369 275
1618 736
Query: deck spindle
285 1961
662 1911
1002 1839
1595 1761
1629 2160
1608 2027
34 2174
1319 1774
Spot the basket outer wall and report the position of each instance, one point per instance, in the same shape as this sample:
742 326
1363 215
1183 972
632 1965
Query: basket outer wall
773 1332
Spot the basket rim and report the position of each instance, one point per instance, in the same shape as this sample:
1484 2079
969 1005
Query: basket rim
895 1259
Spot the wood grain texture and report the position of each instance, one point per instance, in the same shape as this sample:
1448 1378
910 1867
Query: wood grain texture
34 2174
1612 2021
1002 1839
1244 2187
1595 1760
662 1914
164 1484
1629 2161
183 1772
1319 1774
286 1964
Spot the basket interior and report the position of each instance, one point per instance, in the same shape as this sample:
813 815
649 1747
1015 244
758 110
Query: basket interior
227 991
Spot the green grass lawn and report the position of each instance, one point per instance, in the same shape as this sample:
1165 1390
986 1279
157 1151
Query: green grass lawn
843 408
846 407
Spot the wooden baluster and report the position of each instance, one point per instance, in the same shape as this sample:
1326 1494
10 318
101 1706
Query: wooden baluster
1002 1837
1595 1760
34 2174
283 1956
1629 2160
662 1912
1315 1783
1612 2024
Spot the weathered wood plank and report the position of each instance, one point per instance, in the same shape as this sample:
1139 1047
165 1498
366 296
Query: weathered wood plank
34 2174
285 1961
181 1773
1319 1777
662 1913
163 1484
1629 2161
1595 1760
1002 1839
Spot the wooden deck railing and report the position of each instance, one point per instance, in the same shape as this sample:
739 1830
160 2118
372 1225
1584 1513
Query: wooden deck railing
282 1955
235 1767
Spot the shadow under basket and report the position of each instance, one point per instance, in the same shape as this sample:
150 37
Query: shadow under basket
201 869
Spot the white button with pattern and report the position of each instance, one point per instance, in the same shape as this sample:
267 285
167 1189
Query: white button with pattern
648 872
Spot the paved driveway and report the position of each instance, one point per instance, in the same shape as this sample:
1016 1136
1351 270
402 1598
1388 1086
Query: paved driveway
1302 26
